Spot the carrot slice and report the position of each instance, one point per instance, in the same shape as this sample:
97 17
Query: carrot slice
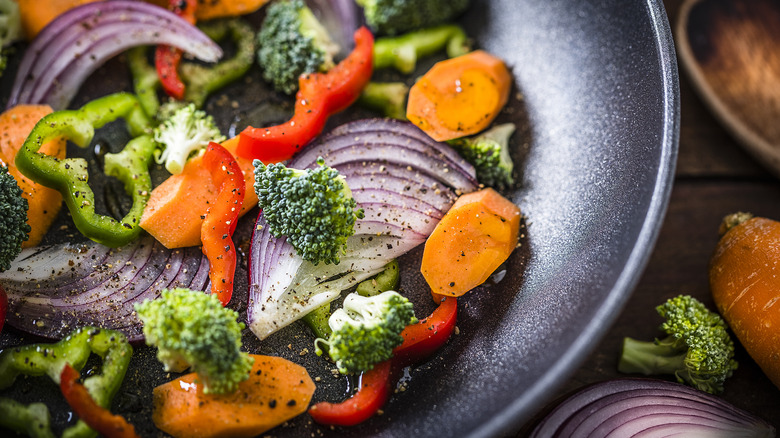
459 96
176 208
44 203
276 391
478 234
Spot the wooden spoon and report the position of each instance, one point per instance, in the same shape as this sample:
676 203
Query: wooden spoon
731 50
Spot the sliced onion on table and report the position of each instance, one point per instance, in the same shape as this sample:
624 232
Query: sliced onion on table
648 408
79 41
53 290
404 183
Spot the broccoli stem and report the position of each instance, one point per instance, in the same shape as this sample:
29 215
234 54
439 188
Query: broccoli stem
649 358
387 98
402 52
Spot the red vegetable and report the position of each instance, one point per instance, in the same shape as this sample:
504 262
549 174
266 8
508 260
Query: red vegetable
221 219
319 96
96 417
167 58
420 341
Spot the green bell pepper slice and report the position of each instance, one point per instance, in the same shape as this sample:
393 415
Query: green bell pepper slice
70 176
49 359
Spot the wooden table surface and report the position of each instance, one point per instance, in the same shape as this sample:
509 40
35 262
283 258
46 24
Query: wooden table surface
714 177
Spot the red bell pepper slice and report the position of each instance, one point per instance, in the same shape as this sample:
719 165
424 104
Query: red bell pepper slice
96 417
420 341
3 307
221 219
167 58
319 96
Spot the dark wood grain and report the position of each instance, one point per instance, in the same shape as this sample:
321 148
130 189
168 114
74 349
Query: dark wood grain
714 177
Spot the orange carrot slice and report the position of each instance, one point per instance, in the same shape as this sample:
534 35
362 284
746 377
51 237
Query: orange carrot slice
478 234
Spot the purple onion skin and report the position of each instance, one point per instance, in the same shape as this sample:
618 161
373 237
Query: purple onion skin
99 288
648 408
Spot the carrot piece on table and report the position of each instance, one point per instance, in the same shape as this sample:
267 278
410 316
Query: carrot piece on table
44 203
745 284
276 391
176 208
459 96
476 235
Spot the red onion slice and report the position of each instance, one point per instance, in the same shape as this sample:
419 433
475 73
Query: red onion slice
404 185
53 289
77 42
648 408
340 18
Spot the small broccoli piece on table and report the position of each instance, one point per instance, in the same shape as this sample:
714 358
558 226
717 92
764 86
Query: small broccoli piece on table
183 133
13 221
366 330
193 329
697 350
392 17
489 154
313 208
293 42
403 51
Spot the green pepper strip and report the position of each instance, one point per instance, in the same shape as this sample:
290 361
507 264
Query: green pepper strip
200 80
50 359
401 52
70 176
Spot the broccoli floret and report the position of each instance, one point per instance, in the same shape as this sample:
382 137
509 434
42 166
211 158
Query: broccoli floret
489 153
293 42
366 330
401 52
192 328
313 208
392 17
185 132
697 350
13 221
10 29
387 98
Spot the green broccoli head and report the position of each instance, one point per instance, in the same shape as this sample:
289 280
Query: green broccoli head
13 222
293 42
392 17
185 131
313 208
366 330
489 154
10 29
697 350
192 328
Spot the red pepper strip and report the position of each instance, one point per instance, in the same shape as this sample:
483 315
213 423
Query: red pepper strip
375 388
96 417
167 58
420 341
3 307
221 219
319 96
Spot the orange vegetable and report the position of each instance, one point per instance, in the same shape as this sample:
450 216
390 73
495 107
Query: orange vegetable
36 14
745 283
276 391
478 234
459 96
176 208
15 125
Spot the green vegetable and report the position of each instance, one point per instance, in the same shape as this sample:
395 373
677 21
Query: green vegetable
366 330
401 52
49 359
489 153
193 329
70 176
185 133
697 350
393 17
10 29
382 282
314 208
317 320
200 80
387 98
13 220
292 42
